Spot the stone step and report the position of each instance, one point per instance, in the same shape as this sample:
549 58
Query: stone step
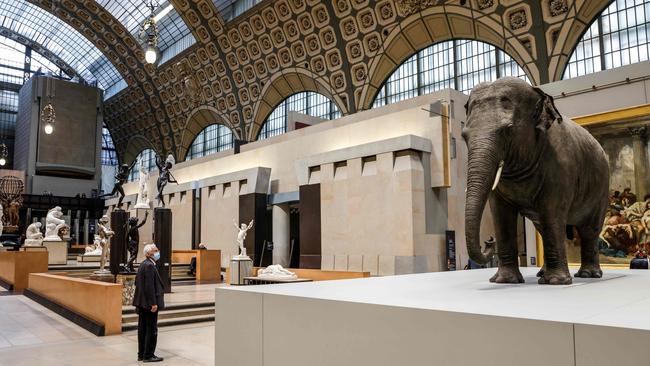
172 314
170 322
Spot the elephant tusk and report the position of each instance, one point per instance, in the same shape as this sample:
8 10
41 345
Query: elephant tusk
498 177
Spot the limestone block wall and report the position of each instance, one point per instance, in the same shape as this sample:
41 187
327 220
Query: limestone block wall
178 198
219 197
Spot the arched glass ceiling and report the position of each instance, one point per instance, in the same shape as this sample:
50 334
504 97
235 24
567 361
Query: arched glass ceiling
109 155
171 27
458 64
61 39
620 36
212 139
310 103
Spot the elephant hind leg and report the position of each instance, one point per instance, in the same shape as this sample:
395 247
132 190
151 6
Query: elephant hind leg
590 262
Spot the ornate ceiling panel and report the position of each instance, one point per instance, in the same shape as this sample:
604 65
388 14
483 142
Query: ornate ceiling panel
31 23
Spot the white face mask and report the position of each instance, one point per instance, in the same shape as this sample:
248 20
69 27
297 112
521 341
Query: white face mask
156 256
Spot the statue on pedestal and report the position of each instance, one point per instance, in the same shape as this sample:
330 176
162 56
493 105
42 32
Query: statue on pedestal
143 188
33 235
55 226
11 190
133 240
164 176
120 178
241 236
105 233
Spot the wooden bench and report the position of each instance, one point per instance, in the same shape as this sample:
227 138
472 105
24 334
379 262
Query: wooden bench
94 305
15 267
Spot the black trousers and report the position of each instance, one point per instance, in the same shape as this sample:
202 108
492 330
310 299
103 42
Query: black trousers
147 333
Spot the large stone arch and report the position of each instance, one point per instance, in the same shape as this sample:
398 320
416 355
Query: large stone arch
434 25
135 145
197 121
570 32
283 85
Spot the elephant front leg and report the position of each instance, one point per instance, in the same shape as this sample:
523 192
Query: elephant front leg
556 271
505 224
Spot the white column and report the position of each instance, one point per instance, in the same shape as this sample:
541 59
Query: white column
281 245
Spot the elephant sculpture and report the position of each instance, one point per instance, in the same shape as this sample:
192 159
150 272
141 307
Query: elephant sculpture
529 160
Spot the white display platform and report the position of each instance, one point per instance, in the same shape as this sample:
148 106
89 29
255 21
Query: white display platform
57 252
445 318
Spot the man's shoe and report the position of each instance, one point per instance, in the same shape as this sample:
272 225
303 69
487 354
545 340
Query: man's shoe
153 359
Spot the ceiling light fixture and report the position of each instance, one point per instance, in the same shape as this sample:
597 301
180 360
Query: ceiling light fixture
48 114
149 33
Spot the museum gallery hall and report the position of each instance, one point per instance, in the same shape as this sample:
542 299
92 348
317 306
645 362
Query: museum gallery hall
324 182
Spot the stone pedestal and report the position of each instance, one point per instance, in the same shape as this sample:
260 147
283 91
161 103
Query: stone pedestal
127 280
240 268
118 250
89 258
162 237
58 251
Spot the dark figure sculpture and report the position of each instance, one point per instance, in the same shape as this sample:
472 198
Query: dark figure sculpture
164 177
544 167
120 178
133 240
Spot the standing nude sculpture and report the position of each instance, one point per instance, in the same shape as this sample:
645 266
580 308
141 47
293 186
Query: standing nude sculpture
143 188
133 239
241 236
105 234
527 159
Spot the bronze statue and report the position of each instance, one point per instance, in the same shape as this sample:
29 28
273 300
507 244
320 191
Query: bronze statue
164 176
133 240
121 177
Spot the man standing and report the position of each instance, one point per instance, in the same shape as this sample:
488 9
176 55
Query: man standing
148 300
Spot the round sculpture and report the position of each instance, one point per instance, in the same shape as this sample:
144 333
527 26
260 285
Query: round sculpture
544 167
55 226
241 237
11 198
33 235
96 248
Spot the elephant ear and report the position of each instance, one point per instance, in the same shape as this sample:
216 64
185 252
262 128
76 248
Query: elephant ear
545 110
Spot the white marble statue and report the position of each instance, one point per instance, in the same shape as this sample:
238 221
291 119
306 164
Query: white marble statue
96 248
33 235
241 236
143 191
105 233
276 271
54 225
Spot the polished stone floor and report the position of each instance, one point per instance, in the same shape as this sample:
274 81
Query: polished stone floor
32 335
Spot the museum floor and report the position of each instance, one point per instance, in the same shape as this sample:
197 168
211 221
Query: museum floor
33 335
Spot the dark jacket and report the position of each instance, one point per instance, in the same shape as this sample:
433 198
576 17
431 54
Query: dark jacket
149 288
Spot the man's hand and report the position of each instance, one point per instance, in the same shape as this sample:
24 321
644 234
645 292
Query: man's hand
154 308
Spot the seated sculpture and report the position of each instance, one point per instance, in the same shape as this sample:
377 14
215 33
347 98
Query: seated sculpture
55 225
96 248
33 235
276 271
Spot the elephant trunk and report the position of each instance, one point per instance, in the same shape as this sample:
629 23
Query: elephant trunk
482 176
